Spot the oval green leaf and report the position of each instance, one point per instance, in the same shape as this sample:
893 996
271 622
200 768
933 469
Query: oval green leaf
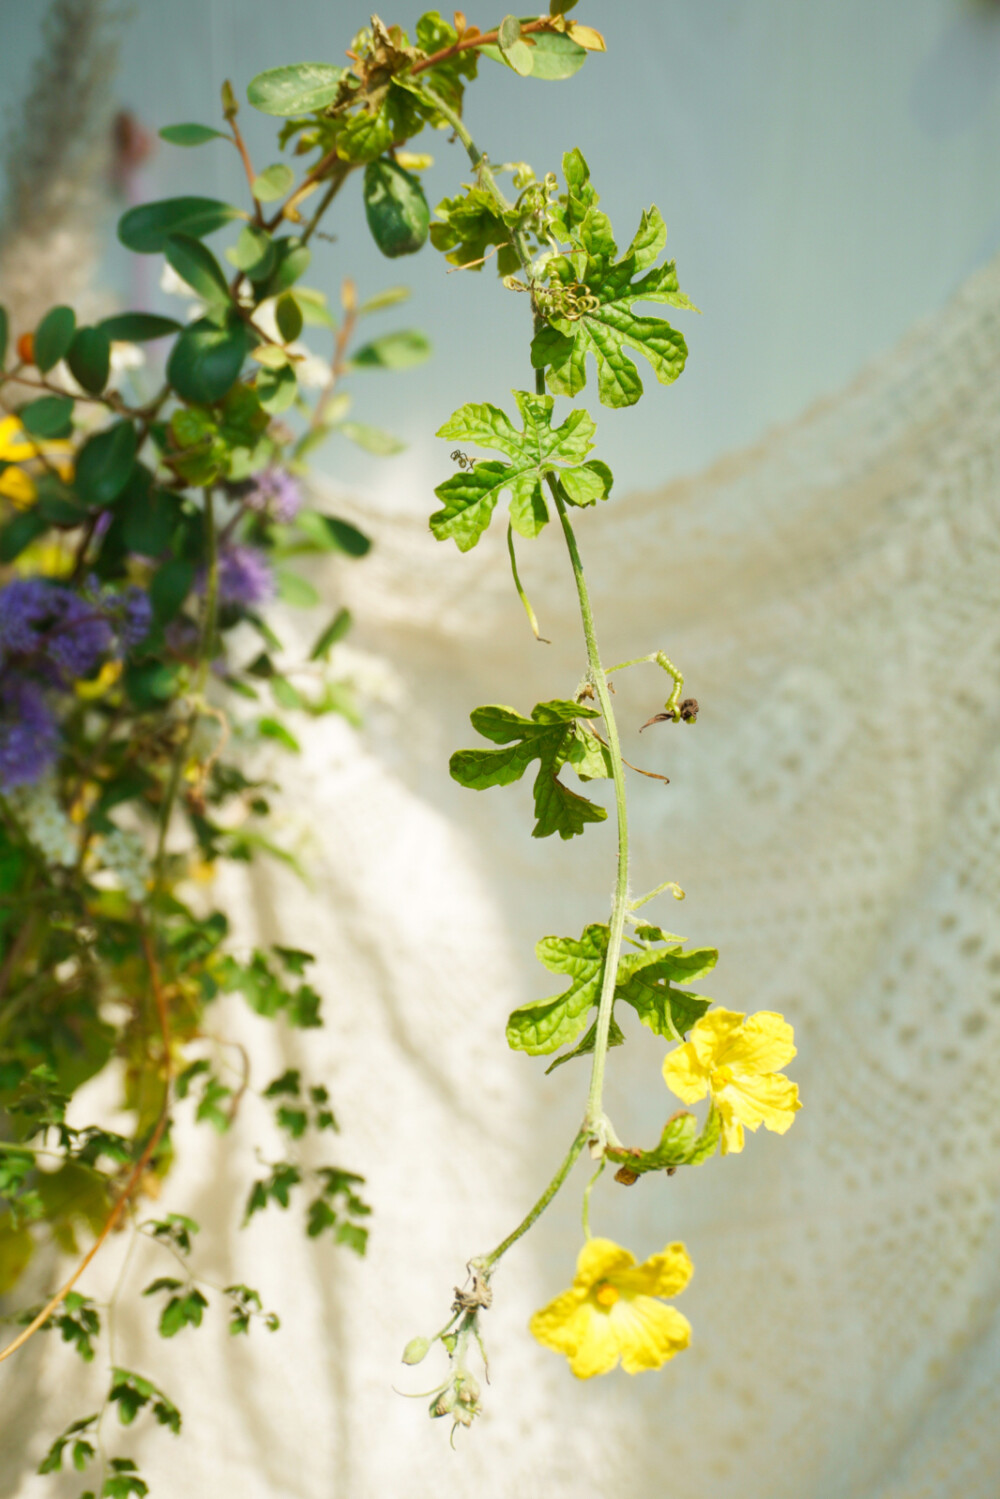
288 316
191 135
253 253
20 533
395 351
293 260
553 56
333 534
49 416
104 463
372 439
206 360
89 359
147 228
277 389
53 337
273 183
138 327
295 90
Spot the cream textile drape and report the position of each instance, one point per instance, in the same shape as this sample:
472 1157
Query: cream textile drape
831 595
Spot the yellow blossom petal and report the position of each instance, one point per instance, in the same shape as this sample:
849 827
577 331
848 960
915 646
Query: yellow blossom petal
607 1315
684 1074
600 1259
18 487
710 1034
664 1274
765 1042
732 1130
771 1100
555 1325
597 1349
15 447
648 1333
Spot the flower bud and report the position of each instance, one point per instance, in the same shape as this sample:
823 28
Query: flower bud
445 1402
416 1350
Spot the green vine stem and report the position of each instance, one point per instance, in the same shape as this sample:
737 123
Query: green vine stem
486 1262
596 1128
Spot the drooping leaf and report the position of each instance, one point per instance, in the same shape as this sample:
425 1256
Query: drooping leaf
295 90
395 208
53 337
147 228
471 496
589 296
554 737
468 227
190 135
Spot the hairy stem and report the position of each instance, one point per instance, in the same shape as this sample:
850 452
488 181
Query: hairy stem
594 1119
487 1261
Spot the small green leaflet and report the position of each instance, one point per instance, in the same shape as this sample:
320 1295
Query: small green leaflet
470 497
588 301
645 981
471 226
553 737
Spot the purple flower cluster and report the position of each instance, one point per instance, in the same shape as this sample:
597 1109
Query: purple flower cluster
245 576
29 735
273 492
50 637
64 634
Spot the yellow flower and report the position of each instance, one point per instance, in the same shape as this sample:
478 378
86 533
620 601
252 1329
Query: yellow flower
609 1312
16 447
736 1058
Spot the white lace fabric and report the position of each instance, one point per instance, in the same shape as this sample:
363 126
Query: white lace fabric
831 595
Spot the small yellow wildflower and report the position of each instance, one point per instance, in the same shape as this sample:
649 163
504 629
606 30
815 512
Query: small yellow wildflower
610 1312
16 447
736 1058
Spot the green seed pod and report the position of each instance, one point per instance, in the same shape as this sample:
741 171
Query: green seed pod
415 1350
396 209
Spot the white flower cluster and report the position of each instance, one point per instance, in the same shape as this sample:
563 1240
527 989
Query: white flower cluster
45 822
124 855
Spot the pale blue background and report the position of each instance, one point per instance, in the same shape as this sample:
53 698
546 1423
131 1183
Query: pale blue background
828 173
